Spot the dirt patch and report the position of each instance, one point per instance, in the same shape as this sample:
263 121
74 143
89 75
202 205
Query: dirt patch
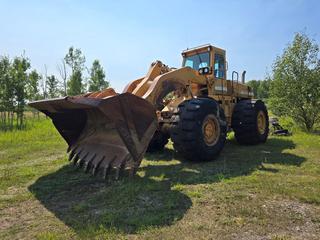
22 216
304 219
288 219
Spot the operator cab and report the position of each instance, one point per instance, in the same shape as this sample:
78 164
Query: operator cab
207 60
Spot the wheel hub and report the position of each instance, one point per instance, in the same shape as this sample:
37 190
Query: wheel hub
261 122
211 130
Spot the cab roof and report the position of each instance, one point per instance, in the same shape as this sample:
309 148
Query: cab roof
201 48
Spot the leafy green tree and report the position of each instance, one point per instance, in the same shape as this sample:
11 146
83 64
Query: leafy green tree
32 88
254 84
6 91
75 85
52 85
33 92
263 89
75 60
19 74
97 77
260 88
295 85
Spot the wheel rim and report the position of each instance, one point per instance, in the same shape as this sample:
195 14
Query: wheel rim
210 130
261 122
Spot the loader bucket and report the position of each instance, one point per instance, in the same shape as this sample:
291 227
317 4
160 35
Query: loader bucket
104 134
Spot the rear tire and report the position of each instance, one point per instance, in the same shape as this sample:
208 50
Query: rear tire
199 129
250 122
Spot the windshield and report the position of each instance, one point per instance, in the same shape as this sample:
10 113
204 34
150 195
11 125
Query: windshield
197 61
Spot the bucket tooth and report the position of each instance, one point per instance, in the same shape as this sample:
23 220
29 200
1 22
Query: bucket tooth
77 156
107 167
121 165
83 159
75 160
96 166
88 163
73 152
68 149
86 167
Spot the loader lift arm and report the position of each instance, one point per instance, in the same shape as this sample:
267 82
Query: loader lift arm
109 132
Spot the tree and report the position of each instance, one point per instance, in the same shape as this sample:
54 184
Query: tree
63 74
75 83
263 89
33 85
254 84
32 89
75 60
43 82
52 85
19 74
260 88
295 85
97 77
6 92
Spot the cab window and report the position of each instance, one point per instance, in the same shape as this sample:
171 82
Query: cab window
197 61
219 66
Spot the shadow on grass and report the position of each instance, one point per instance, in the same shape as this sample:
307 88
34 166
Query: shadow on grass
235 160
87 204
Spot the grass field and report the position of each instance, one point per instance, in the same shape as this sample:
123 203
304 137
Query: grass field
269 191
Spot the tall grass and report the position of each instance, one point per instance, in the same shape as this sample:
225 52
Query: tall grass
249 192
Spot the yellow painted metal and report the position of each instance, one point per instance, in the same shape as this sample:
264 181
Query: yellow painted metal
211 130
188 83
261 122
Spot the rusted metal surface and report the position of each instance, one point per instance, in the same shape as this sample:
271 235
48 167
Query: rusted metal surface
109 132
106 132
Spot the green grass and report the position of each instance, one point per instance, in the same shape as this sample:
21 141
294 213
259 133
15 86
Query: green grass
269 191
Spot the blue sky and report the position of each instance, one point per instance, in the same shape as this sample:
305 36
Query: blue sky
126 36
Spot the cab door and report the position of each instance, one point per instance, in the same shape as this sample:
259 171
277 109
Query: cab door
219 72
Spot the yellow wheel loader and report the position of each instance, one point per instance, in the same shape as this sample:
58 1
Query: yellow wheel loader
195 105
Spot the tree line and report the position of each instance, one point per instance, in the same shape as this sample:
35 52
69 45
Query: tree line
260 88
19 84
293 87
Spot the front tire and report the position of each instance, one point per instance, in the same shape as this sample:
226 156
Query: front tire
199 132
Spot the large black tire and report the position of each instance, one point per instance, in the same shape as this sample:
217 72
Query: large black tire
158 141
245 122
189 132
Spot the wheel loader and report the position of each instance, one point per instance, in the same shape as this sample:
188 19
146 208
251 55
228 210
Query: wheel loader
108 133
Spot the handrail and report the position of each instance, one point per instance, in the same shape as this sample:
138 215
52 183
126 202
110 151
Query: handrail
232 79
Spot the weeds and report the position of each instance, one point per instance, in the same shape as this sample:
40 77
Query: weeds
269 190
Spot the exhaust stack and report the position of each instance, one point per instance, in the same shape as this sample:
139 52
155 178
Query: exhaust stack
243 77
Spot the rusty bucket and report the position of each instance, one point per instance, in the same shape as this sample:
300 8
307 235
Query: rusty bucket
105 135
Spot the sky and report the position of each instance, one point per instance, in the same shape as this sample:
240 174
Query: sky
127 36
